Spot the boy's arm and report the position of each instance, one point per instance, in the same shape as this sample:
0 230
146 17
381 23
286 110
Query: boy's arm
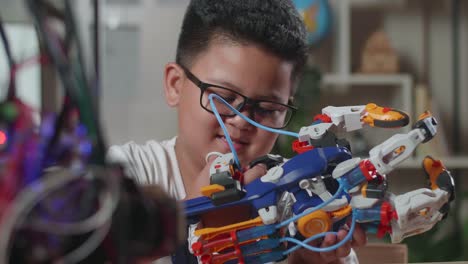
344 254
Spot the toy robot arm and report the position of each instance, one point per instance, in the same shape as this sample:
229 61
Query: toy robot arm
419 210
351 118
386 156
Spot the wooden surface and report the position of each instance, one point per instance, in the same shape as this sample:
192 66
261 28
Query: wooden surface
382 253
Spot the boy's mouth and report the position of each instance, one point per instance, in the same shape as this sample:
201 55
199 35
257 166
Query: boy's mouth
238 143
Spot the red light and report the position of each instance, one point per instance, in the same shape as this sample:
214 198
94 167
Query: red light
3 137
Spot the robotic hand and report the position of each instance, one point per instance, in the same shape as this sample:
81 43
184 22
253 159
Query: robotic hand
404 215
316 191
419 210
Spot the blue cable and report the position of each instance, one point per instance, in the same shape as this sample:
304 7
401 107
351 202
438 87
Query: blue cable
211 97
223 127
252 122
317 249
311 210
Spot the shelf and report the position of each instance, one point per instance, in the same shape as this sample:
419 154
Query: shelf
378 3
460 162
370 79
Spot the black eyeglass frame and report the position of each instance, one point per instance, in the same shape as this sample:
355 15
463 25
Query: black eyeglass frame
247 101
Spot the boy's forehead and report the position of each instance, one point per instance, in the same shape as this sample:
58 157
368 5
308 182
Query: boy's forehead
245 68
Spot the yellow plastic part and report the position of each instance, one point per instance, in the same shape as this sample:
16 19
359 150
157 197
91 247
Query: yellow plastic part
210 189
433 169
314 223
375 112
424 115
210 232
364 190
342 212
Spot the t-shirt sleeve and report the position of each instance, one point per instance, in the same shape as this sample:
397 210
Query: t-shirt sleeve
135 161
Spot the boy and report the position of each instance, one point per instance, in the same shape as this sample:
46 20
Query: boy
251 53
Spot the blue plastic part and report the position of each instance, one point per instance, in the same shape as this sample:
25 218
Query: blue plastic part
263 194
352 179
272 256
255 232
259 246
369 214
371 227
304 201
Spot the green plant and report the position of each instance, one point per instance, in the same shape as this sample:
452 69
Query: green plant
307 95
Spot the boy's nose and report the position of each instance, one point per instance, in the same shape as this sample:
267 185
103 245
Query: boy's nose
239 122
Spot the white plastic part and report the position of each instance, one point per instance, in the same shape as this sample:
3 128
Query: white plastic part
269 214
418 211
192 238
317 186
221 163
361 202
273 174
387 155
313 132
350 116
345 167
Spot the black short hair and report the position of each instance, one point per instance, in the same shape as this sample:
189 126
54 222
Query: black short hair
273 24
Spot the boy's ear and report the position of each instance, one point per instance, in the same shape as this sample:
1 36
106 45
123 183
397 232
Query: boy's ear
173 83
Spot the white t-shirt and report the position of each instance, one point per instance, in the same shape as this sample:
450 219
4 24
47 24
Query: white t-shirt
156 163
152 163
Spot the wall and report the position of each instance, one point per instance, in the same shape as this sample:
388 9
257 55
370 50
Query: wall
139 38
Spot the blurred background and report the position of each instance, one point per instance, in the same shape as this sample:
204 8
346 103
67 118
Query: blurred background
407 54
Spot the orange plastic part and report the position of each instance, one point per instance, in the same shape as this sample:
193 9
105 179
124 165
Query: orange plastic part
342 212
210 232
314 223
384 117
210 189
433 169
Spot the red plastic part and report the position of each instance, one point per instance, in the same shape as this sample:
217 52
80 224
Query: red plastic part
206 259
196 247
322 117
368 169
382 230
387 213
301 147
436 163
238 175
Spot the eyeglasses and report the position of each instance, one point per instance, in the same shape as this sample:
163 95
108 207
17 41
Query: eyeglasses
267 113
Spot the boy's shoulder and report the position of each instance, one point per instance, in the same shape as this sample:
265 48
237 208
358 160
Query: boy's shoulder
153 162
121 153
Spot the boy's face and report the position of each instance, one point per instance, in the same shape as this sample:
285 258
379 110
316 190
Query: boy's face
247 69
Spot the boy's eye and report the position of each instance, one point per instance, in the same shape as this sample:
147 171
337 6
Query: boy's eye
263 111
228 96
267 108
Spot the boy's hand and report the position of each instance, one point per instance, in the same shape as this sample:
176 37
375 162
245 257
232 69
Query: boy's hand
255 172
306 256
